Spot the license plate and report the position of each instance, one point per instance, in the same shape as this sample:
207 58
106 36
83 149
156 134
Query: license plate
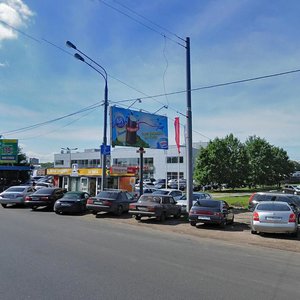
143 208
273 218
65 204
203 218
98 202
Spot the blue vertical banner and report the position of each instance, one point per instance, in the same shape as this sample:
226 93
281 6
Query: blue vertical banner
138 129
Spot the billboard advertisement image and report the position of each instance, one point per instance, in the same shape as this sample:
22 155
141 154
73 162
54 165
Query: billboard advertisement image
138 129
8 151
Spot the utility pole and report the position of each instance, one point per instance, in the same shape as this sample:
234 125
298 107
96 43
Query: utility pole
189 142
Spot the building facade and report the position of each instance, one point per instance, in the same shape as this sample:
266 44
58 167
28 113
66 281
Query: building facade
123 161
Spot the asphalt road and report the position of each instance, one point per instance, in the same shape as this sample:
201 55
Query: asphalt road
46 256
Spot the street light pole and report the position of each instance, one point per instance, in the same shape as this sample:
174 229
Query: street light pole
104 75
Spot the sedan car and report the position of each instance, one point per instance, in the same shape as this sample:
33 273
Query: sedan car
114 201
44 197
182 201
71 202
176 194
274 217
210 211
158 206
15 195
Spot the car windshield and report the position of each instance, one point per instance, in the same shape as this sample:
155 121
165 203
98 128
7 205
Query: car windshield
15 189
207 203
272 206
145 198
44 191
107 194
72 196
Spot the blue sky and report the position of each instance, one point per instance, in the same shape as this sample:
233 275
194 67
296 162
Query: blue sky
230 40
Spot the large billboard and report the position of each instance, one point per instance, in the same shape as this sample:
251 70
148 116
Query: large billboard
138 129
8 151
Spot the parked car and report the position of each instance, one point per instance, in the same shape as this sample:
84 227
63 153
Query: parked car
15 195
274 217
176 194
158 206
182 201
114 201
211 211
160 184
71 202
257 197
291 189
44 197
181 184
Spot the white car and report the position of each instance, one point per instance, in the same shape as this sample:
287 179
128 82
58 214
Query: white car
182 201
15 195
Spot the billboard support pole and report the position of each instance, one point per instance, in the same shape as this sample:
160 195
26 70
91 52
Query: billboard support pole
141 172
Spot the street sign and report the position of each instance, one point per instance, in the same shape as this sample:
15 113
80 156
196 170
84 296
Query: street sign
105 149
8 151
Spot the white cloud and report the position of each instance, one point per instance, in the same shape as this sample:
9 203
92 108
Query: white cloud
15 13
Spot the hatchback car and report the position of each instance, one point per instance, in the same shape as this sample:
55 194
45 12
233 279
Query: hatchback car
114 201
15 195
158 206
274 217
182 201
255 198
44 197
71 202
210 211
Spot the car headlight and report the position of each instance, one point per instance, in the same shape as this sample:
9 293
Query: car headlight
57 201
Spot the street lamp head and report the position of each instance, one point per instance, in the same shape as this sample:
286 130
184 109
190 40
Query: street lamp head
71 45
79 57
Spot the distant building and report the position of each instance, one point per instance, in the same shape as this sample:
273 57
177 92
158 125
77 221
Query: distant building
34 161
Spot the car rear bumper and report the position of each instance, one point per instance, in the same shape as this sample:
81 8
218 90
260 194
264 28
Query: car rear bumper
211 219
274 228
71 208
100 208
38 203
143 213
12 201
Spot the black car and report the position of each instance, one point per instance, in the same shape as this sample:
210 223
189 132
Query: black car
211 212
71 202
158 206
114 201
44 197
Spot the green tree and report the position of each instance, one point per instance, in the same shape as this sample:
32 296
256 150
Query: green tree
260 161
222 161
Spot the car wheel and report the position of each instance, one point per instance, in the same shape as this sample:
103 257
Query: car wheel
295 234
4 205
232 220
253 232
119 210
178 215
137 218
193 223
57 212
33 207
223 224
162 217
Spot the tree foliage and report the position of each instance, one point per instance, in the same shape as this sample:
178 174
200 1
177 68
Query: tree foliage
228 161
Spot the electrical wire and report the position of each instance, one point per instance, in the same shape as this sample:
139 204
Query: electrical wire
141 23
148 20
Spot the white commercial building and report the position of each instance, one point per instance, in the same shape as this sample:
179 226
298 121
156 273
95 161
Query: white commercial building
157 163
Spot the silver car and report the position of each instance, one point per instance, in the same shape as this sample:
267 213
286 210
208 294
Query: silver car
15 195
274 217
